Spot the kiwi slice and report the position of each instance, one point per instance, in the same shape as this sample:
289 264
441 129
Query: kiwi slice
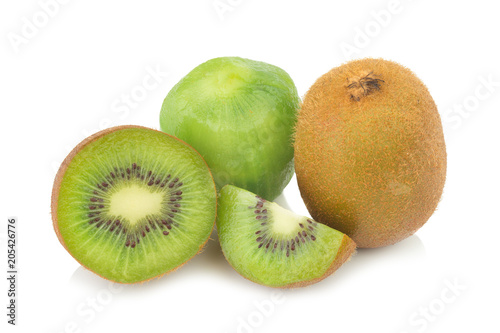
273 246
239 115
131 203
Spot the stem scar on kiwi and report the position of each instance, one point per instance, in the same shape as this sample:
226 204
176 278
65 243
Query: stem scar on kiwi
363 85
131 203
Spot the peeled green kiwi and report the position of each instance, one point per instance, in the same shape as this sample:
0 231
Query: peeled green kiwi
370 155
239 115
131 203
273 246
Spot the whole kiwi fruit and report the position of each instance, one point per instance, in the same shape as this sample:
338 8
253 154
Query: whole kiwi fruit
370 154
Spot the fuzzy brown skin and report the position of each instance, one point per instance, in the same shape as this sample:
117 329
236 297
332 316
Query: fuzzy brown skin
60 175
370 155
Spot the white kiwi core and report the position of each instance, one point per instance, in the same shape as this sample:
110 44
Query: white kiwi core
285 222
135 202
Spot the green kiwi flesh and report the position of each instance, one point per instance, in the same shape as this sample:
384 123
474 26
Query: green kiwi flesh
131 203
273 246
239 115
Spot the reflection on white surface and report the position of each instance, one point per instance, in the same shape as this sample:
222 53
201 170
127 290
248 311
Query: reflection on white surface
409 249
409 252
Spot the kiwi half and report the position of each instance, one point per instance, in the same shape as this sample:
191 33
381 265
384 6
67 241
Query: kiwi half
239 115
273 246
131 203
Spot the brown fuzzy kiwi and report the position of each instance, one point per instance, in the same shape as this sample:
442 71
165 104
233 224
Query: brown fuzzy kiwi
370 155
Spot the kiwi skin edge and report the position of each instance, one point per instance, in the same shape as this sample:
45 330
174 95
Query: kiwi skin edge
346 250
60 175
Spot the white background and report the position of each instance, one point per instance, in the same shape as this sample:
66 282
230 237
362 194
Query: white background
66 79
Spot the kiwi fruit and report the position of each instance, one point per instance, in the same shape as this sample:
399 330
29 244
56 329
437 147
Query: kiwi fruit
131 203
239 114
273 246
370 154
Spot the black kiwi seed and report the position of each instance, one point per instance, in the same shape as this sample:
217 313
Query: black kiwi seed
265 241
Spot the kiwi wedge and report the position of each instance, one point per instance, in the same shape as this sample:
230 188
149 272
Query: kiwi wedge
273 246
131 203
239 115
